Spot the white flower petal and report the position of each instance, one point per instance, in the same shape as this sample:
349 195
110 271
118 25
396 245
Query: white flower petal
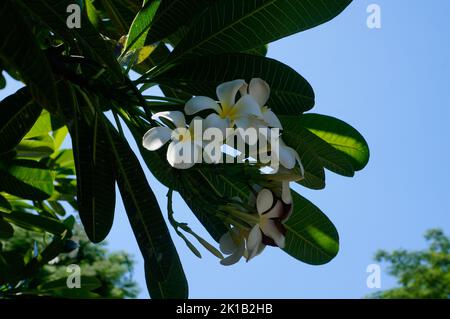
156 137
227 244
271 119
200 103
235 257
215 121
286 196
254 242
259 90
247 106
176 117
264 201
285 155
244 89
243 122
276 211
183 155
270 229
226 92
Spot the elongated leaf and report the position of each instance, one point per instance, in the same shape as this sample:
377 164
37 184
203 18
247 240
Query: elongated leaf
314 172
95 174
341 136
173 14
290 93
139 28
5 206
121 14
2 80
164 272
236 25
6 230
92 13
87 282
327 155
262 50
19 50
18 115
11 267
36 147
87 41
311 237
35 222
45 124
27 179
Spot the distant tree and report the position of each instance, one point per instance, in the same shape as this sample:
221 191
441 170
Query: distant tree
421 274
112 270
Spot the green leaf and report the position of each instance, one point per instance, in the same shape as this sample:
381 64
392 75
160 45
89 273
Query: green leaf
95 173
141 24
36 147
86 40
88 283
164 273
172 15
6 230
2 81
5 206
290 93
59 136
64 159
19 50
35 222
19 113
11 267
261 50
43 125
27 179
57 208
92 13
341 136
311 237
120 14
327 156
236 25
314 171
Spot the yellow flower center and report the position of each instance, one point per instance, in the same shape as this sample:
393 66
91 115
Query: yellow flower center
228 112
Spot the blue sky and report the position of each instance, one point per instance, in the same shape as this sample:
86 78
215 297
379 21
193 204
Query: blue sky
392 85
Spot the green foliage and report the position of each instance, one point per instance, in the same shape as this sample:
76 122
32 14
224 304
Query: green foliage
311 237
80 75
104 274
20 51
290 93
234 26
420 274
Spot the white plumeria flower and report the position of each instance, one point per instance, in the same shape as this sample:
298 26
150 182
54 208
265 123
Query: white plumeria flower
181 138
283 154
273 212
259 90
287 156
230 113
232 243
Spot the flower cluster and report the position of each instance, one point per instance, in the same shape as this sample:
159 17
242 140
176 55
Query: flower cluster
240 107
272 209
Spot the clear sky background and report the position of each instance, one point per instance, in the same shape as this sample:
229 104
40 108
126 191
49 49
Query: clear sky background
392 84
